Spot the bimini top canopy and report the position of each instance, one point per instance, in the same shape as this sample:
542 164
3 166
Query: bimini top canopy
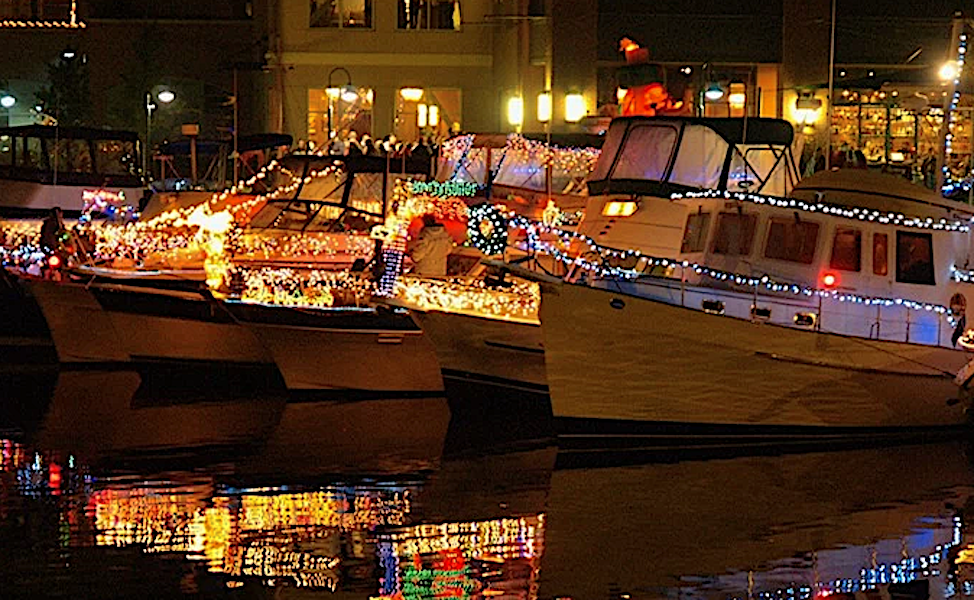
660 155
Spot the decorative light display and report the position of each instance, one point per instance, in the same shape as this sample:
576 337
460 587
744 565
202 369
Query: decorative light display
644 263
440 561
961 275
106 202
517 303
569 161
487 229
247 534
856 213
445 189
948 184
303 288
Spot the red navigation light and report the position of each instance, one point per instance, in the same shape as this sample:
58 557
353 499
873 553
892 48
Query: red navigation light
830 280
54 261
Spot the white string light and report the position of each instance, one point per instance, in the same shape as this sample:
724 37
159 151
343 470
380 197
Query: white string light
849 212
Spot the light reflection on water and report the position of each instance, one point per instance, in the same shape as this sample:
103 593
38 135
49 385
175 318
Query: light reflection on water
422 499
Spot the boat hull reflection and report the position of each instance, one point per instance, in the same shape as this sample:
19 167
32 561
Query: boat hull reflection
668 526
107 416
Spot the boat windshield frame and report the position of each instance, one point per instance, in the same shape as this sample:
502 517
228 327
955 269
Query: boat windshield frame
352 166
48 137
740 136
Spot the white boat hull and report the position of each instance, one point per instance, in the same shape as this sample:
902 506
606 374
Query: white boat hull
343 352
489 350
101 324
616 357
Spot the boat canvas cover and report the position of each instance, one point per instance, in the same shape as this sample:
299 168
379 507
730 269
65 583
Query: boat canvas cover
655 155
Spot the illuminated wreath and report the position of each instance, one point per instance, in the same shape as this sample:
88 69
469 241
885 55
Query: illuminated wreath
487 229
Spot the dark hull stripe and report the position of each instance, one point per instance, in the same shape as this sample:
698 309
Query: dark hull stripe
581 432
495 381
513 347
158 305
380 321
355 395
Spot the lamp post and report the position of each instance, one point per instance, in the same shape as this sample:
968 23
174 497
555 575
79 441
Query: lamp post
7 101
165 96
337 93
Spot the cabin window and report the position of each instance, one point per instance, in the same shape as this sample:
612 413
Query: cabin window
30 153
114 157
914 258
695 234
846 250
880 254
792 240
6 151
735 232
646 154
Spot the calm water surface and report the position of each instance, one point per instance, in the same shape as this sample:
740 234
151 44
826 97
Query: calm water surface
114 488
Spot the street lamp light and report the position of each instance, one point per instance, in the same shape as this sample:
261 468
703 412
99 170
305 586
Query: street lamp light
165 96
949 70
7 101
346 93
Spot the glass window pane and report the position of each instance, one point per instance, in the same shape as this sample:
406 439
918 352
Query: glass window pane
324 13
846 250
356 13
695 234
793 241
646 153
734 235
32 156
914 258
114 157
880 254
6 151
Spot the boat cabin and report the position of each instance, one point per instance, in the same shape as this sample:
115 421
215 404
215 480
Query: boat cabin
45 166
646 159
889 250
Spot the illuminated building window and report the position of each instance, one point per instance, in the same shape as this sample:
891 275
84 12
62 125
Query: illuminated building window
349 113
429 14
436 113
352 14
38 10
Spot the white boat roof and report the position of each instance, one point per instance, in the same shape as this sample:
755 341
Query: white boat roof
878 191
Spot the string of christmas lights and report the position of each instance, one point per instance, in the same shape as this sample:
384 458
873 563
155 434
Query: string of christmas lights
519 302
302 288
849 212
949 185
645 262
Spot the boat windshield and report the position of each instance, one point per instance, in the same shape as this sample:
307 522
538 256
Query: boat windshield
328 194
656 156
520 161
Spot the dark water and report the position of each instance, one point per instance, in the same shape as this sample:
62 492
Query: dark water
112 488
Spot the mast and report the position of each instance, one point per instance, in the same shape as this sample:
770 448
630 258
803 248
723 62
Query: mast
953 57
828 116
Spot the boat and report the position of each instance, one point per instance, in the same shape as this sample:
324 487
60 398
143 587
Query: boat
317 320
484 328
43 167
836 310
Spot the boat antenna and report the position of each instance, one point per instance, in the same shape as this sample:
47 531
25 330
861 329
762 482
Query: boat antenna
828 115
